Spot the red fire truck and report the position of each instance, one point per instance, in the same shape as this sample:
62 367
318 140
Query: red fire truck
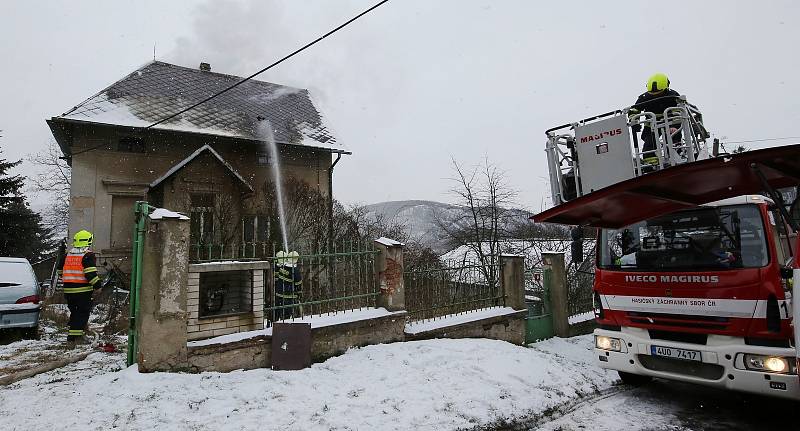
695 253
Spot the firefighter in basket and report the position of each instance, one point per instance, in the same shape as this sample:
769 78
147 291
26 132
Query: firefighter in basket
288 285
656 99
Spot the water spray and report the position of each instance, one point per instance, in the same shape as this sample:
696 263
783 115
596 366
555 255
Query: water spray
265 134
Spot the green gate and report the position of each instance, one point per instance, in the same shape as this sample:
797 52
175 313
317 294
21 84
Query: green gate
141 210
539 321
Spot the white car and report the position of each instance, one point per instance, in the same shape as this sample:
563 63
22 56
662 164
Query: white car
19 296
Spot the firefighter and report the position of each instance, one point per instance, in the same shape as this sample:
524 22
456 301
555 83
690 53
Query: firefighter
656 99
288 284
80 278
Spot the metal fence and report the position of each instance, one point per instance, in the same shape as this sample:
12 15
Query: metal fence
579 291
452 289
211 252
341 280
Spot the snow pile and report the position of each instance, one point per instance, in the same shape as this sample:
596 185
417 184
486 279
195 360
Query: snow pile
424 385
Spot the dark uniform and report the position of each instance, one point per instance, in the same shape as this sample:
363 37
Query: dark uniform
288 285
655 103
80 277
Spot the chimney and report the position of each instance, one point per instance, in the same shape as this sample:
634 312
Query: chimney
205 67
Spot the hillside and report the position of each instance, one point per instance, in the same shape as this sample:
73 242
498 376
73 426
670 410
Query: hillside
420 219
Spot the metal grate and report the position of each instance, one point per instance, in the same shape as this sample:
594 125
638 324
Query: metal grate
225 292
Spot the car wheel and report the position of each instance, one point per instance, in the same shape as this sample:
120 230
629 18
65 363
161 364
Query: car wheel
634 379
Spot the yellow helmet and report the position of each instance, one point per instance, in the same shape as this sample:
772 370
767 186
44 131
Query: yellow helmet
83 239
287 258
657 82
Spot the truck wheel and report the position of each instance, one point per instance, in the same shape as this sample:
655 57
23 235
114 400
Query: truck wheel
634 379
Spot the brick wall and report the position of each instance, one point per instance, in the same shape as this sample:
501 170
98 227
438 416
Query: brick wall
249 319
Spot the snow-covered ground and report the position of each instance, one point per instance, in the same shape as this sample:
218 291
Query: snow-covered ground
426 385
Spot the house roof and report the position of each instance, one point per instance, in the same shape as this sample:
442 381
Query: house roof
180 165
157 90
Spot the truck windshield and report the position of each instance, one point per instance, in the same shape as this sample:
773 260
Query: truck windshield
710 238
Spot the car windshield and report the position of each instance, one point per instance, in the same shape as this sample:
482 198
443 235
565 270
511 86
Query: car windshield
15 274
703 239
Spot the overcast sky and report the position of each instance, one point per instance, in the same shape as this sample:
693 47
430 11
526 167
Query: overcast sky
419 81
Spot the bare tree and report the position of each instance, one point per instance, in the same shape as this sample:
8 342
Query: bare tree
53 180
486 198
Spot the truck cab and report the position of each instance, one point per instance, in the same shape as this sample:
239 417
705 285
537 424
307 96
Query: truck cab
700 295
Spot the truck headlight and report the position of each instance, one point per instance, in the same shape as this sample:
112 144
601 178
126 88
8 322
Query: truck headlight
771 364
608 343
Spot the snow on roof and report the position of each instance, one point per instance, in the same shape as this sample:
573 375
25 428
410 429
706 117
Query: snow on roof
193 156
157 90
161 213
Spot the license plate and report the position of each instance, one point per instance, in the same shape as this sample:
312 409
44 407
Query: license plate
675 353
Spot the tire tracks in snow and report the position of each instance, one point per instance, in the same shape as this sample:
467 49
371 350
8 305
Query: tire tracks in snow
533 421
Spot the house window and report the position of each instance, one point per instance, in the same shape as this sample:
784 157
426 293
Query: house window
122 220
262 158
130 144
202 218
255 231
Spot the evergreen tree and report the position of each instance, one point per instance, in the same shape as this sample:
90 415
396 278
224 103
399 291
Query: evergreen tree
21 230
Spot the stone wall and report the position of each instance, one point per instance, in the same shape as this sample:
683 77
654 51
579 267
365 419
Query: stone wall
329 341
246 354
326 342
509 327
211 326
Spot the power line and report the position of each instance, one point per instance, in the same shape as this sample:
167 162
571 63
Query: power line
762 140
297 51
270 66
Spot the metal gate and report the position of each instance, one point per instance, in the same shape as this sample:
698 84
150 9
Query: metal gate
141 210
539 321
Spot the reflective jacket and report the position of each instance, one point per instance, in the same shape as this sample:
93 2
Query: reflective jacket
79 272
288 282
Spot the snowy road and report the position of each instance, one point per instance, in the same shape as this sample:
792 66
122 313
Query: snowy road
671 406
423 385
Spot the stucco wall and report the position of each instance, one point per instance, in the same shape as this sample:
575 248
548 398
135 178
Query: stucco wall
101 173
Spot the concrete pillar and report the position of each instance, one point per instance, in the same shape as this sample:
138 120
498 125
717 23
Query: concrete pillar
555 280
163 316
512 279
389 270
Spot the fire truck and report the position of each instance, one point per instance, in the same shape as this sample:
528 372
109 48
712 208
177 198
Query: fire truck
697 249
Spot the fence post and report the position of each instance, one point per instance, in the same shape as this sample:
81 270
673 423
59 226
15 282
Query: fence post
555 279
161 323
512 278
389 270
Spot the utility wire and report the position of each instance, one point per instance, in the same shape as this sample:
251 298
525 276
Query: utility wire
762 140
297 51
270 66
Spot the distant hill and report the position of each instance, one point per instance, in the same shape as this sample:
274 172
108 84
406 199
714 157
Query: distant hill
419 218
